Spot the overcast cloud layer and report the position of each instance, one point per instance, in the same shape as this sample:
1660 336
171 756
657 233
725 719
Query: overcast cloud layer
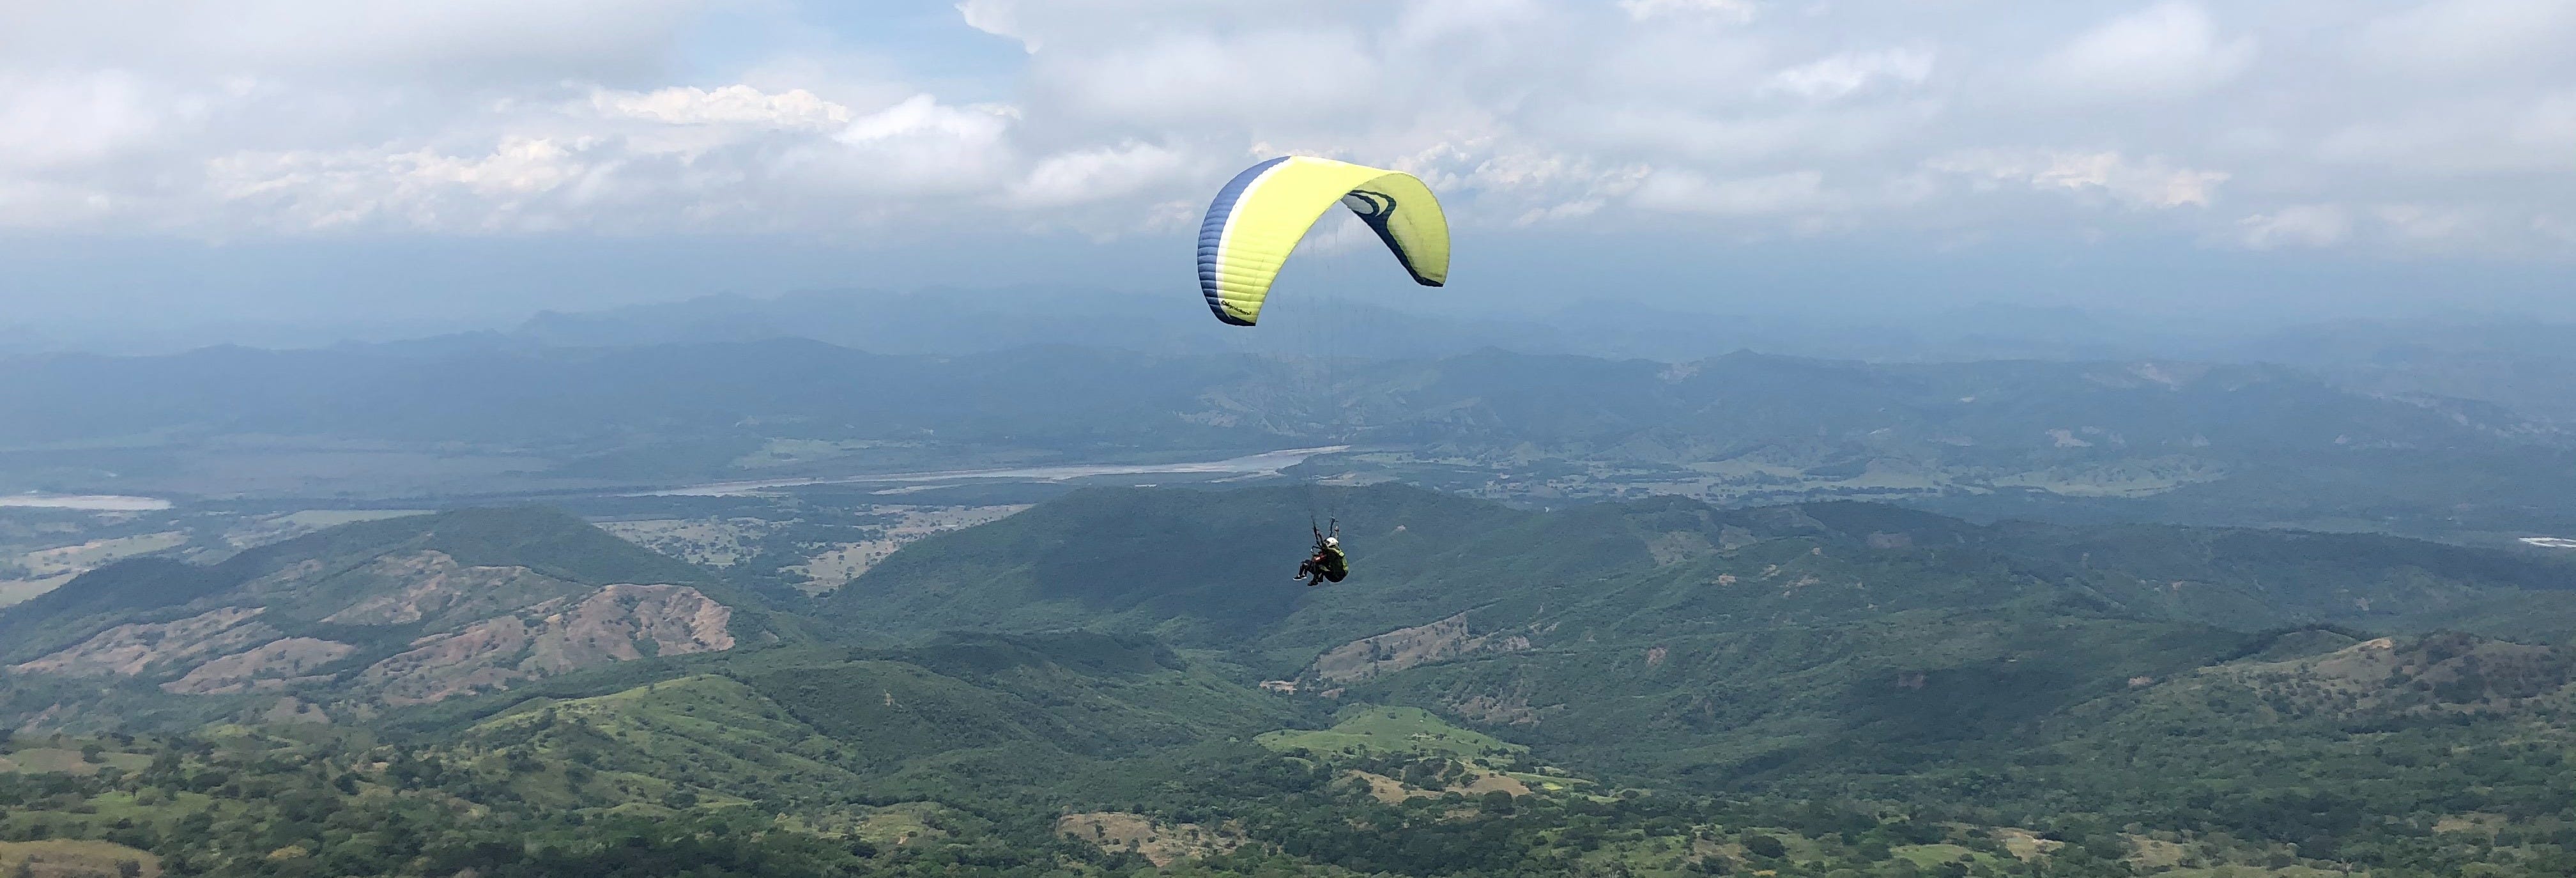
2442 129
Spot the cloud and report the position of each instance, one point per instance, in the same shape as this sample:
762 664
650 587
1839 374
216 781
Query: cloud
1283 74
2307 225
1111 117
59 119
2556 229
2169 50
1730 10
922 116
1687 192
2469 37
1094 175
732 104
520 185
2152 182
477 41
1844 74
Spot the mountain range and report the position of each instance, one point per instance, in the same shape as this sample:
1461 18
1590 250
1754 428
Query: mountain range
1123 679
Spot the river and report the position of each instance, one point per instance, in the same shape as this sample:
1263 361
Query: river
84 502
1250 464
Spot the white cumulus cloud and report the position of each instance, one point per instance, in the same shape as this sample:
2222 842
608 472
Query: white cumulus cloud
731 104
2168 50
1732 10
1688 192
1112 117
2305 225
1843 74
2151 182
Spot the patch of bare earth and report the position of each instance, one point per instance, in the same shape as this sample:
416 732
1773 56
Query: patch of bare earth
47 569
127 650
1409 647
96 553
1675 547
714 542
491 626
2443 673
276 528
835 567
433 587
2024 844
271 665
14 591
616 623
1160 843
830 569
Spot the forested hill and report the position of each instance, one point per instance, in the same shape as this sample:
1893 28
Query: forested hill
1209 569
1658 688
2255 684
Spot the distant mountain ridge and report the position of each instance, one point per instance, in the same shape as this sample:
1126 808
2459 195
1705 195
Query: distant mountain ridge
951 322
2524 364
2170 441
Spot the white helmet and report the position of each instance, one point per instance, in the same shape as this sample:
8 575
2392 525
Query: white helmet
1333 541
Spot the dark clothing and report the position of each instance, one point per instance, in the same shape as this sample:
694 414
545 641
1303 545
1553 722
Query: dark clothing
1328 565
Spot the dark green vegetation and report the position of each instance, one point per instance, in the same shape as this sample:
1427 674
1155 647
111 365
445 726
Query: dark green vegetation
1194 567
1656 687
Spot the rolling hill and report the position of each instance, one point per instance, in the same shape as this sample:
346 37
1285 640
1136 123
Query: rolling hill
1655 687
1206 569
1816 649
409 610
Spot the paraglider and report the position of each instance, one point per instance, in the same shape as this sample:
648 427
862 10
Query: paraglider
1328 564
1259 217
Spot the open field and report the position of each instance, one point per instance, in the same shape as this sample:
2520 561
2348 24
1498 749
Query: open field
1395 731
64 858
83 557
266 529
43 570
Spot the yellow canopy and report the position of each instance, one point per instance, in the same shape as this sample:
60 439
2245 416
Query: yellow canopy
1260 216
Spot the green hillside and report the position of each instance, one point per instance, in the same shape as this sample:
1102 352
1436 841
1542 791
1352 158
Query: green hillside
1200 568
1125 682
1842 649
1207 570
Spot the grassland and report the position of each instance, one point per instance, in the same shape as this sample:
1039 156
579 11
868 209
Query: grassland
1400 732
66 858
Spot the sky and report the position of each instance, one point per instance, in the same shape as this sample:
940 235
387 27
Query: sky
388 167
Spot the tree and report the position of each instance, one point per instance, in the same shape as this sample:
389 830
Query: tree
1764 846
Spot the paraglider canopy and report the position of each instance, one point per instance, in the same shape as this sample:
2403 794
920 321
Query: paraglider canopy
1259 217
